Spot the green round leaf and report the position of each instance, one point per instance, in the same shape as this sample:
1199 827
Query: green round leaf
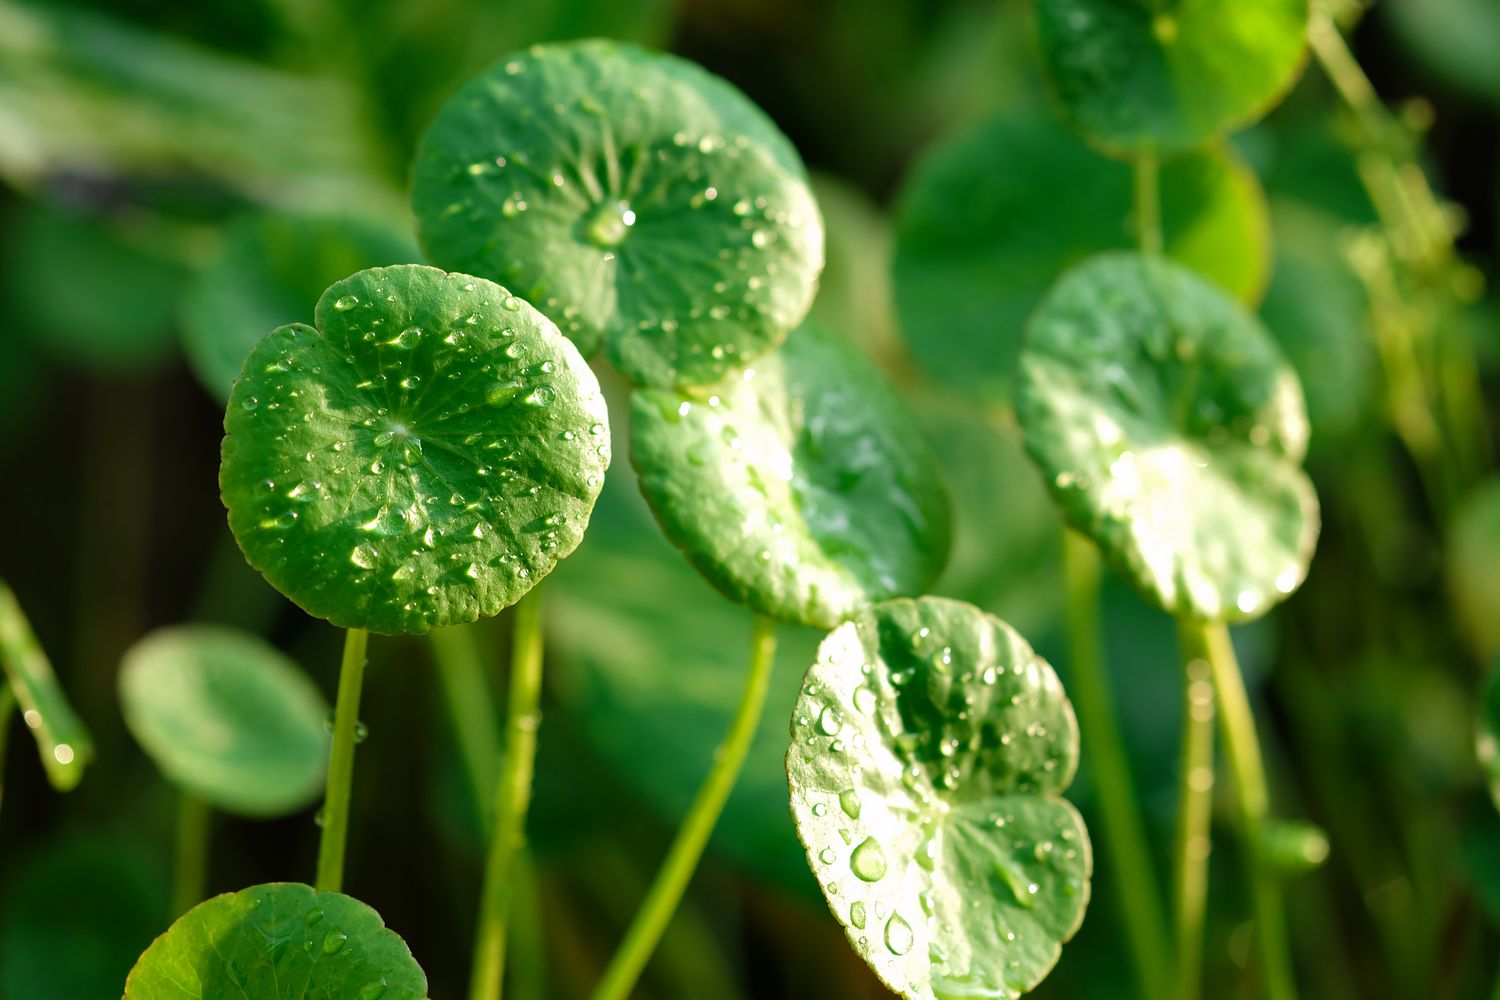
930 747
422 458
226 717
271 271
90 291
281 941
1456 39
981 235
1166 76
1171 430
1474 567
647 203
800 487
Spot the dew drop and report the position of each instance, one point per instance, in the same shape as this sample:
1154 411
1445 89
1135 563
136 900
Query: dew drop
868 860
334 942
898 936
345 302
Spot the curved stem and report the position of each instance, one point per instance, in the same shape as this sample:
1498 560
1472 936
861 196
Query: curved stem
1124 831
7 712
661 900
1252 803
1195 790
461 674
191 872
1148 204
512 798
335 815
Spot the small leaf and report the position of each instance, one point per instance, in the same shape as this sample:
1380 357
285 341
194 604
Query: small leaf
1167 76
422 458
800 487
1487 732
271 271
226 717
281 941
930 747
645 202
61 738
977 247
1474 567
1170 430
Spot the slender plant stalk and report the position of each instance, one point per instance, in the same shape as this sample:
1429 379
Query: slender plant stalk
661 900
1252 804
512 799
1124 832
191 875
7 712
1148 204
335 815
1195 789
528 977
461 674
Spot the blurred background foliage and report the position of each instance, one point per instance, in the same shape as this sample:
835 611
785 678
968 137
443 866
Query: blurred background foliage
179 178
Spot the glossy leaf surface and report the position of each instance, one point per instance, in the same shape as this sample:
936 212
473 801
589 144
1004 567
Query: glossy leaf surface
61 738
226 717
281 941
271 271
930 747
800 487
980 238
422 458
1170 429
645 203
1138 77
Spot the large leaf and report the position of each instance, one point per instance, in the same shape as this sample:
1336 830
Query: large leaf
981 235
647 204
226 717
281 941
929 750
1456 39
422 458
1170 429
800 487
1166 76
61 738
271 271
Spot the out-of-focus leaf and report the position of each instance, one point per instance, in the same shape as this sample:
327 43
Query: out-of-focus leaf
1474 567
854 298
90 290
1458 40
271 271
81 92
73 917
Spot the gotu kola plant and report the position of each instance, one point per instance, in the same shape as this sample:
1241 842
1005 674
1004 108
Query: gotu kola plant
424 455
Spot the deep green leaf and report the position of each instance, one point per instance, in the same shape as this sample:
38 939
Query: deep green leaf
1456 39
1171 430
930 748
1474 567
281 941
89 290
800 487
981 236
1167 76
61 738
271 271
422 458
646 203
226 717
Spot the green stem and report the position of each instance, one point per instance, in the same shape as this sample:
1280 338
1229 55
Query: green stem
1195 788
512 799
191 874
1252 803
1124 830
682 858
341 763
1148 204
461 673
7 712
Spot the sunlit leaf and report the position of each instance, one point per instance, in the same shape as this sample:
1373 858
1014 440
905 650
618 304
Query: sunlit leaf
423 457
930 747
645 203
